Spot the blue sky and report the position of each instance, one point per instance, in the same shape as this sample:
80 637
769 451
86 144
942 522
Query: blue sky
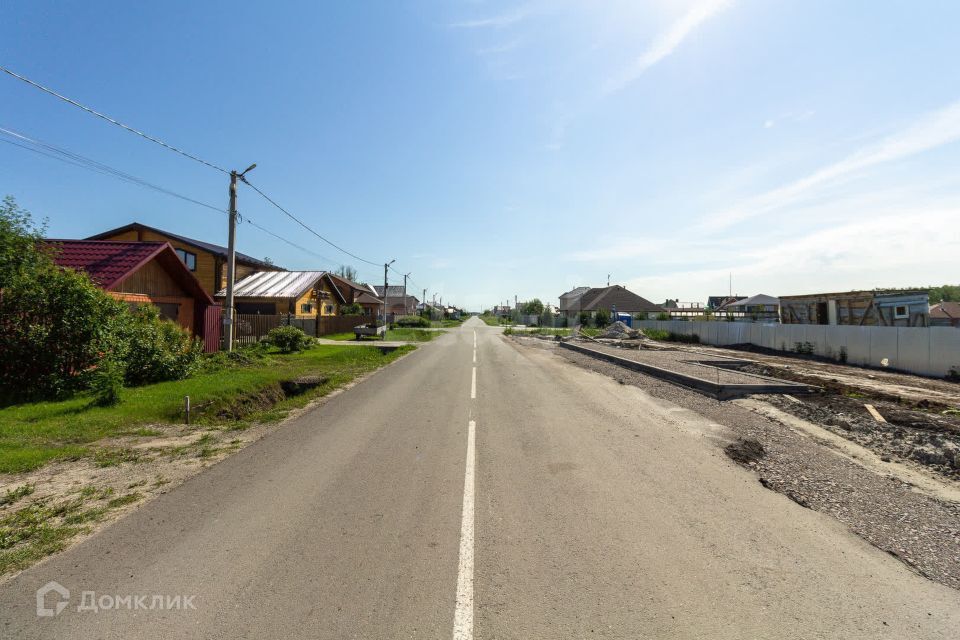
497 149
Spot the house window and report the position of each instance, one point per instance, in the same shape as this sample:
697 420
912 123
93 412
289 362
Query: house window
901 311
307 307
329 309
189 259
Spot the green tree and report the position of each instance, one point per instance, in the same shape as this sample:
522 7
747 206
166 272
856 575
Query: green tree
945 293
532 307
346 271
19 242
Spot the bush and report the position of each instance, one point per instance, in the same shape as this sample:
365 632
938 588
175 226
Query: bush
289 339
154 349
601 318
412 321
584 318
56 326
351 310
106 383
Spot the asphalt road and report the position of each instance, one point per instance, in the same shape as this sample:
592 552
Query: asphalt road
573 507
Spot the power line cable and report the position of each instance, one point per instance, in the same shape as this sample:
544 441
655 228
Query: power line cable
68 157
110 120
306 226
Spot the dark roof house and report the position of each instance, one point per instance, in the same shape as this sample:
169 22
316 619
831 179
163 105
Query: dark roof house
613 297
945 314
206 260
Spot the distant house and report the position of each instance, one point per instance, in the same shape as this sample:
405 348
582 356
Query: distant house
144 273
945 314
207 261
398 304
878 308
715 302
303 294
615 297
570 299
502 310
758 307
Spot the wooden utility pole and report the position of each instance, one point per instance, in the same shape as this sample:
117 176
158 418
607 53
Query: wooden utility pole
406 309
231 260
232 255
386 265
424 299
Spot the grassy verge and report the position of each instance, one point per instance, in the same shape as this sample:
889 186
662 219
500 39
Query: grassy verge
34 434
30 532
400 334
445 324
493 321
670 336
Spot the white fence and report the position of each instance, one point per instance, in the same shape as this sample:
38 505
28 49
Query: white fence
928 351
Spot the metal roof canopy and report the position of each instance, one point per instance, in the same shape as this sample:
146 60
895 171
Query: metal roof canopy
275 284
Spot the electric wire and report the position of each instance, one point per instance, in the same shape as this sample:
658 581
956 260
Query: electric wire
109 119
75 159
306 226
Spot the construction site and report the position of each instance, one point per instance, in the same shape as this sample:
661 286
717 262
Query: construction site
878 450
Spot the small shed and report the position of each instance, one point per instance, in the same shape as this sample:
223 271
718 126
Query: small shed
877 308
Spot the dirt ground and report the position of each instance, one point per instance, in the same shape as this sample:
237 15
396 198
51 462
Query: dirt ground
904 507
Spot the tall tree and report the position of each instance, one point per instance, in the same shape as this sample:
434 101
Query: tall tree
346 271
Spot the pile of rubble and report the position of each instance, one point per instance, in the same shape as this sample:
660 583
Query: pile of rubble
619 331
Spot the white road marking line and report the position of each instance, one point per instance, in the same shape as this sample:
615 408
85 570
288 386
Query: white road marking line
463 613
474 356
473 385
474 339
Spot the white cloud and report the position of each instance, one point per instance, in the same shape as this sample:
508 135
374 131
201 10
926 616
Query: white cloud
495 22
898 248
930 131
667 42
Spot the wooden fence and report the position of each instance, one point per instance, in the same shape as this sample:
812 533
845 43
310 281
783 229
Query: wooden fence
250 328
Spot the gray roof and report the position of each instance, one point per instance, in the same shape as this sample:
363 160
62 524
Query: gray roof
754 301
614 296
275 284
579 291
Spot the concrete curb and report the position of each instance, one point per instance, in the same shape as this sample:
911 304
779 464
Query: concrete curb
719 391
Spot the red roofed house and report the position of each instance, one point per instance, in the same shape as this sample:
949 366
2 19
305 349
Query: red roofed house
145 273
945 314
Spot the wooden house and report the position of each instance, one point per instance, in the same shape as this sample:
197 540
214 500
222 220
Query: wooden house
878 308
302 294
360 294
144 273
207 261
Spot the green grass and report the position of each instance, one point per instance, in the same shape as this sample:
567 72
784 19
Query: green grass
492 321
401 335
44 526
32 435
445 324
